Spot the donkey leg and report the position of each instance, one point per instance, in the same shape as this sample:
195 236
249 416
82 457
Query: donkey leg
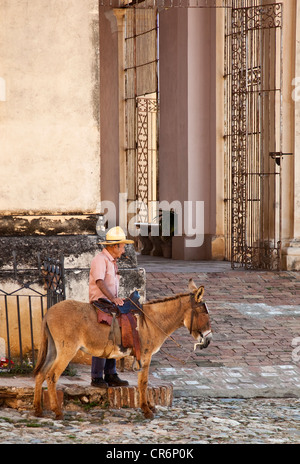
54 405
37 402
47 355
150 402
143 386
152 406
52 377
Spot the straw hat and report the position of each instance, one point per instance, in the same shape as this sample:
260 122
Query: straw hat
115 236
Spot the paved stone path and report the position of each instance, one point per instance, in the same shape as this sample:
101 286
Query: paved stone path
255 318
188 422
244 388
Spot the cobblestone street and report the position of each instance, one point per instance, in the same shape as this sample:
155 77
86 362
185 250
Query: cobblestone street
188 421
243 388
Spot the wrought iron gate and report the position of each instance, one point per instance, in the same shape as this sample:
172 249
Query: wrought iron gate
141 89
253 121
54 280
23 307
147 162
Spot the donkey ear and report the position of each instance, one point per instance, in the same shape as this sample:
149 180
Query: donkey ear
199 294
192 286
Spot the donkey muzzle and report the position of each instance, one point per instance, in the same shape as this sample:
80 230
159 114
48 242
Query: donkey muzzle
204 341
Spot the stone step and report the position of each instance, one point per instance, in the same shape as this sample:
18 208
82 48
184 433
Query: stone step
15 397
113 397
71 397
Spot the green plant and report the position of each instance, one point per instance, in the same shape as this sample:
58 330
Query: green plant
15 366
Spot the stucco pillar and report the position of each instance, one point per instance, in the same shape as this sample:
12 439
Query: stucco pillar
49 121
49 130
296 97
120 15
109 108
291 136
187 171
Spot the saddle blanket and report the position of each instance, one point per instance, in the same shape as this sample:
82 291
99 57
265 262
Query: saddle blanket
130 304
107 313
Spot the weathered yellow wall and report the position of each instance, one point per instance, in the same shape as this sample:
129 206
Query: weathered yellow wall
49 121
20 322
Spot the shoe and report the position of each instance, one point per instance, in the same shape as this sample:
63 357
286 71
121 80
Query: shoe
99 382
114 380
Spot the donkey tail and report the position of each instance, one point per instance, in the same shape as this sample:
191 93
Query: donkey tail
42 350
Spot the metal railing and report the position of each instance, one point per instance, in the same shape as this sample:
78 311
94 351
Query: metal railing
23 307
253 133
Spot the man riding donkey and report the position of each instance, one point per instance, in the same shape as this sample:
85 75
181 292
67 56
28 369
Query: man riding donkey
69 326
104 283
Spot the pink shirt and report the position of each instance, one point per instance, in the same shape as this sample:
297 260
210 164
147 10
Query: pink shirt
103 267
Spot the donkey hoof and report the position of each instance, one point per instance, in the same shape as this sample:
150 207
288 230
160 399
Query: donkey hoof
59 416
38 413
148 414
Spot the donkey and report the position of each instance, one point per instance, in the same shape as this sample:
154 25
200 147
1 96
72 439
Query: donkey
71 325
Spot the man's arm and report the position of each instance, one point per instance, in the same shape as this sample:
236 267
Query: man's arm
102 286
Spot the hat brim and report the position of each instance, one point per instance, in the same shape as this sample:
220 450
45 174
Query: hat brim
115 242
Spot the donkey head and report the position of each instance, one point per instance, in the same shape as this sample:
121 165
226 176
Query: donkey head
197 317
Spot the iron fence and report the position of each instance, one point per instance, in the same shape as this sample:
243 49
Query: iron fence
253 133
25 296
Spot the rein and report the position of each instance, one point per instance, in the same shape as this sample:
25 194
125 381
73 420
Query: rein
196 304
196 301
169 336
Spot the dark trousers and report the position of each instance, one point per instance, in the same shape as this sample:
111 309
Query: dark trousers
102 365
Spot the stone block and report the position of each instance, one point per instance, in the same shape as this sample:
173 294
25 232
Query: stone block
46 401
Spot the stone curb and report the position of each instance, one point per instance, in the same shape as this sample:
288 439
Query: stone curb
112 397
